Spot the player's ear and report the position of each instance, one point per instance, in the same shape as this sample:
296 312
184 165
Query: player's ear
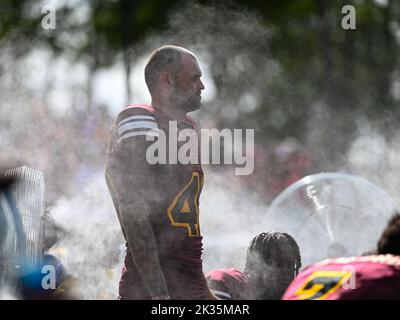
166 78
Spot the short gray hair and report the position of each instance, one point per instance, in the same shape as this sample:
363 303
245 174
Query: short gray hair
164 58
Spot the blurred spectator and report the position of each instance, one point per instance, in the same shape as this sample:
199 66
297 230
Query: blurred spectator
276 168
290 162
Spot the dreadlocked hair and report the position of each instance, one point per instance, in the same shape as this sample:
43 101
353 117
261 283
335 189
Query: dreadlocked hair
274 248
389 242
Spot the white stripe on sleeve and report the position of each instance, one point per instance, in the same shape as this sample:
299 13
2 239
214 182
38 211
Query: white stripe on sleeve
137 125
135 118
138 133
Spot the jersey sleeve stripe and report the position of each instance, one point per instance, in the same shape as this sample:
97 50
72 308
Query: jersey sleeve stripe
137 125
131 118
138 133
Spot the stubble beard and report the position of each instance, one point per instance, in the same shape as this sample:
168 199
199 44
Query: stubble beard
184 103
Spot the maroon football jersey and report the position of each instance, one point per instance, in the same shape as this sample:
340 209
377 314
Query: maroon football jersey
356 278
227 284
169 192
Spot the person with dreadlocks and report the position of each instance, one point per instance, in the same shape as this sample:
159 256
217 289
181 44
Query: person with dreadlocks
369 277
273 261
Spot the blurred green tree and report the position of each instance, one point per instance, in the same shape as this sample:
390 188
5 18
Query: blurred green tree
325 72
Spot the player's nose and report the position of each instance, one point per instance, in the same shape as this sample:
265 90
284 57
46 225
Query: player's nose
201 85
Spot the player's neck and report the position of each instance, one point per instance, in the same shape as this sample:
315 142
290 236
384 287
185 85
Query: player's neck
170 111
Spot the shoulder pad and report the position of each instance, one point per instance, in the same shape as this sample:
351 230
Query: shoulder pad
135 120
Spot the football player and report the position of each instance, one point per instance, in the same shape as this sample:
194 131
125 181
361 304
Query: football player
273 261
158 204
375 276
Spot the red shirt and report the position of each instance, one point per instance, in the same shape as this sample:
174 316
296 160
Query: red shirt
227 284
